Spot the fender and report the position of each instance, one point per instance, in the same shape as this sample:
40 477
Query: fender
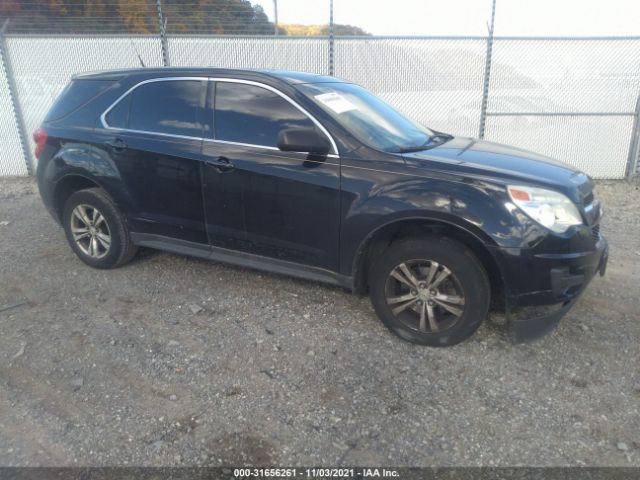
476 207
437 221
82 161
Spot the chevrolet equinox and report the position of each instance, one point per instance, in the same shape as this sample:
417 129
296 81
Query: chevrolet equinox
315 177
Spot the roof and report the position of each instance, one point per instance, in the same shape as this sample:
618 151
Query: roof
290 77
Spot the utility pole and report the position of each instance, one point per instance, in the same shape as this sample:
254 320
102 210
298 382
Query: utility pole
275 17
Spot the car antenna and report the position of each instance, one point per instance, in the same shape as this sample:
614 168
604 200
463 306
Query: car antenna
137 53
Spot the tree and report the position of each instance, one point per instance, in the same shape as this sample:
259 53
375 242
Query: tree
136 16
297 29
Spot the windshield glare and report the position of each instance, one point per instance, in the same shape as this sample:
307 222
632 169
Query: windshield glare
368 118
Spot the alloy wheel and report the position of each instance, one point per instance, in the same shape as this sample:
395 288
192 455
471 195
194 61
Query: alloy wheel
90 231
425 295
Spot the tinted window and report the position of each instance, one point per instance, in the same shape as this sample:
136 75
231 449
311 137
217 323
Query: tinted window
167 107
118 116
76 94
255 115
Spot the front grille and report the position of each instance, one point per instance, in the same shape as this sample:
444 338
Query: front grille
595 232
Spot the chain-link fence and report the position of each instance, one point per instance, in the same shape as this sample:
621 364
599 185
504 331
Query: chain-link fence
308 54
13 153
572 99
436 81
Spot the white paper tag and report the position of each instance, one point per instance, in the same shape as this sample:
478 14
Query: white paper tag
336 102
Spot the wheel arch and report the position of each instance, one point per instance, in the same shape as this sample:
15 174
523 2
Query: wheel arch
378 240
74 167
67 186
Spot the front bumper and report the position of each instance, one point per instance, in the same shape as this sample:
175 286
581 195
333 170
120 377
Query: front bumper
552 282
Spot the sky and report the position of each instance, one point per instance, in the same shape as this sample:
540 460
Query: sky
468 17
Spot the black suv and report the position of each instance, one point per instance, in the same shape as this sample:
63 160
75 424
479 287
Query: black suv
311 176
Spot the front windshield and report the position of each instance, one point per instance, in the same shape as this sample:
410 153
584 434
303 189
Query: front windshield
368 118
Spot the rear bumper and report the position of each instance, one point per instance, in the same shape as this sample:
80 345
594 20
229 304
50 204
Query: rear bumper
557 281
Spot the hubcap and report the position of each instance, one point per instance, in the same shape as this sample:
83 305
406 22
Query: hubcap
90 231
424 295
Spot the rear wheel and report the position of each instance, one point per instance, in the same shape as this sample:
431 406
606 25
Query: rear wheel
432 291
95 229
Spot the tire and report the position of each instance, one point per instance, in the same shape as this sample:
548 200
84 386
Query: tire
83 227
422 315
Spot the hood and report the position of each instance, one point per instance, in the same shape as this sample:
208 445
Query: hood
469 156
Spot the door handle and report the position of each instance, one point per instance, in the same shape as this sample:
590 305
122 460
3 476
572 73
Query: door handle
117 144
222 164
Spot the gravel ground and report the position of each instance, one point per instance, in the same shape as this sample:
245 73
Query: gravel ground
177 361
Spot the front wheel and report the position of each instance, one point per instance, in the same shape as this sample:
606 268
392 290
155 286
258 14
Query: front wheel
431 290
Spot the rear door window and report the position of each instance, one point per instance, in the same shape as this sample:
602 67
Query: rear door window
171 107
253 115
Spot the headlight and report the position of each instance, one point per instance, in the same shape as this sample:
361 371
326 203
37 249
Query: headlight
550 209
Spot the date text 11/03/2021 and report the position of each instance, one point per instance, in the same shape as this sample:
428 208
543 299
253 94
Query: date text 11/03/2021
315 472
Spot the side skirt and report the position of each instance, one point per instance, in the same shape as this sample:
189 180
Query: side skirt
242 259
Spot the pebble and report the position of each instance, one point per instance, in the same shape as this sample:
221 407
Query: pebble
173 397
195 309
622 446
340 446
76 383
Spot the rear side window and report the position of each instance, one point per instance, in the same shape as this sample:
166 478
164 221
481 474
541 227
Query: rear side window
171 107
76 94
254 115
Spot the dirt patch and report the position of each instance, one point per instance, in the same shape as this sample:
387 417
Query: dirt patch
177 361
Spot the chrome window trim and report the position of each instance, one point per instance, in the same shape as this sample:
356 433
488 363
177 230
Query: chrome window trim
103 117
105 125
146 132
227 142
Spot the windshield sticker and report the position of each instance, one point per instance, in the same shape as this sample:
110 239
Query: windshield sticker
336 102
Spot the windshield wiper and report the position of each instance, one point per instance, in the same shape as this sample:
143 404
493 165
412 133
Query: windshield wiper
413 149
434 141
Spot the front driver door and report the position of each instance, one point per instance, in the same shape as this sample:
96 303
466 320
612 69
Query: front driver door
290 200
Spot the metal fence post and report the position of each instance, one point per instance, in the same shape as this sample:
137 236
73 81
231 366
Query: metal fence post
331 37
15 102
163 34
487 73
275 17
633 163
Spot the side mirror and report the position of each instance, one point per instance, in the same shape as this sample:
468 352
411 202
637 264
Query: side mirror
305 140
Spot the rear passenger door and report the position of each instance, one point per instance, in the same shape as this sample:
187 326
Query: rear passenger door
154 135
290 200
